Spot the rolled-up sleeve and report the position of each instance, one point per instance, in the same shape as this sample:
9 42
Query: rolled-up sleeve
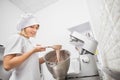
14 45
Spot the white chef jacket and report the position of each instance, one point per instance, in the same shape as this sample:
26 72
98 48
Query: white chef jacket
29 69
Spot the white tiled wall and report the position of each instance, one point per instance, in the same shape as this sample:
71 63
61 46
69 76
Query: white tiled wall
105 20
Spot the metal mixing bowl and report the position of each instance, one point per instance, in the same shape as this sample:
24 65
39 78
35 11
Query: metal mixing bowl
58 69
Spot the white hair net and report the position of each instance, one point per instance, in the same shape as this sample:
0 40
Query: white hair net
27 20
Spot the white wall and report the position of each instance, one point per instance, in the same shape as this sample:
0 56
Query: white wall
57 18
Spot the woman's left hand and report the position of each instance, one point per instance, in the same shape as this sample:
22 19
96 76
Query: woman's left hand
39 48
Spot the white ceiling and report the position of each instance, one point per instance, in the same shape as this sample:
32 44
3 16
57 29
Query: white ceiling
32 6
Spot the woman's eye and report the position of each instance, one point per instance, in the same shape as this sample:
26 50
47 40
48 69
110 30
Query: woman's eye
32 26
37 27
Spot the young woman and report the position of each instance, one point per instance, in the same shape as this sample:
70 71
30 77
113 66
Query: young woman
20 55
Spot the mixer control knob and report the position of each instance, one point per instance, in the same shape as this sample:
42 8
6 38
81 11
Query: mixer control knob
85 59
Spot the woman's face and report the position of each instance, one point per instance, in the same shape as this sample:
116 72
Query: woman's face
31 30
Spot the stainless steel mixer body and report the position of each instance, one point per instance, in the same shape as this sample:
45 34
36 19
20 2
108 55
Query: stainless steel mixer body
88 68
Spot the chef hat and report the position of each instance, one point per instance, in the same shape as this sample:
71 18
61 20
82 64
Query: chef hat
27 20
